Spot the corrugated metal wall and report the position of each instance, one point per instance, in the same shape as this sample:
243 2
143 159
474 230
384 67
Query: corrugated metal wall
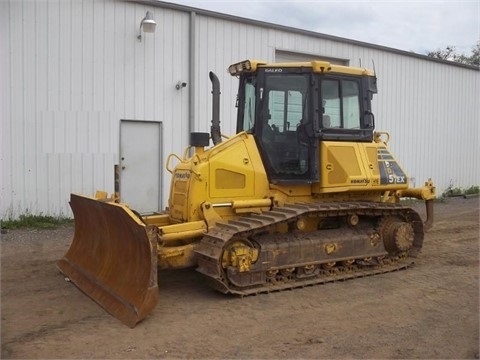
70 70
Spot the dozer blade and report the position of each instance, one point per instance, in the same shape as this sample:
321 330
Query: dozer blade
113 258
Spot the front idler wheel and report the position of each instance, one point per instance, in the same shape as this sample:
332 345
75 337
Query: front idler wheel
398 235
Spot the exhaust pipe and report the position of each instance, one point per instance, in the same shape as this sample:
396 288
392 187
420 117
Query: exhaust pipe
215 128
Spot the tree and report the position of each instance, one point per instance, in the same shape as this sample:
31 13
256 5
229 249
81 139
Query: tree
450 54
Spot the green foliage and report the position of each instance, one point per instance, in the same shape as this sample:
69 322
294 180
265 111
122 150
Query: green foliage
450 53
35 222
458 191
472 190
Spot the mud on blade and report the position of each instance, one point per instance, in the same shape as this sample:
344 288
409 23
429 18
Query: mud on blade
113 259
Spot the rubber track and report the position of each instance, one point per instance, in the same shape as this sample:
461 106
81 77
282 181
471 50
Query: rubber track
210 251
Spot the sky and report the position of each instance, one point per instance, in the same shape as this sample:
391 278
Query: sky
418 26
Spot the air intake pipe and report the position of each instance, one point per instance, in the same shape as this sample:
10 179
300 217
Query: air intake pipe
215 128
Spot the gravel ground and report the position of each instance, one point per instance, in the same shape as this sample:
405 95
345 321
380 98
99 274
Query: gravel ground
428 311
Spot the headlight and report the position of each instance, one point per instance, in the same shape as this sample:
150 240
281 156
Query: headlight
238 68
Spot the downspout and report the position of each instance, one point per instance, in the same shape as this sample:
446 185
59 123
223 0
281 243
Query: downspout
191 74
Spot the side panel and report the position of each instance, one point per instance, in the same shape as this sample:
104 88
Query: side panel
390 171
229 171
350 166
140 165
342 165
232 173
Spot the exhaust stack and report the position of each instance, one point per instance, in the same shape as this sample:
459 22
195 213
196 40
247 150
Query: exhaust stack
215 128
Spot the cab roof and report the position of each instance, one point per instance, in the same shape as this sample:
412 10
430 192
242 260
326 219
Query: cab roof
317 66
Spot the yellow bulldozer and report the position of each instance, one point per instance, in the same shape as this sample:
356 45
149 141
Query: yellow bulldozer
305 192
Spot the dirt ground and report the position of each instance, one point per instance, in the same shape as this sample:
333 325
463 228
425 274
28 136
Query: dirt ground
428 311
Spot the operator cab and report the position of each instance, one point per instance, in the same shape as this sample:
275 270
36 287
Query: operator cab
289 108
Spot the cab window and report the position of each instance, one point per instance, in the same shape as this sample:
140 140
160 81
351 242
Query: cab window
341 104
248 120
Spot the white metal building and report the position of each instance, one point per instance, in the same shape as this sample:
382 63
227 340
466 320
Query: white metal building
81 95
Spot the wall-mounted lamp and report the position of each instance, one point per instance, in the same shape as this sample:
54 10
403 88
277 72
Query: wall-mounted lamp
148 25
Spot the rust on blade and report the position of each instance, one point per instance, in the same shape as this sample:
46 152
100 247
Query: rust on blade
113 258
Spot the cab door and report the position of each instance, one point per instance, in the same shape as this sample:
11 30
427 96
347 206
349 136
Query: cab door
284 125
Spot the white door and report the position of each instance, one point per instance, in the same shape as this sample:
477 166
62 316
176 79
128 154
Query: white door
140 165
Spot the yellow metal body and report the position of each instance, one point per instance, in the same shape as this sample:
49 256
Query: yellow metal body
229 179
352 166
223 182
230 176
